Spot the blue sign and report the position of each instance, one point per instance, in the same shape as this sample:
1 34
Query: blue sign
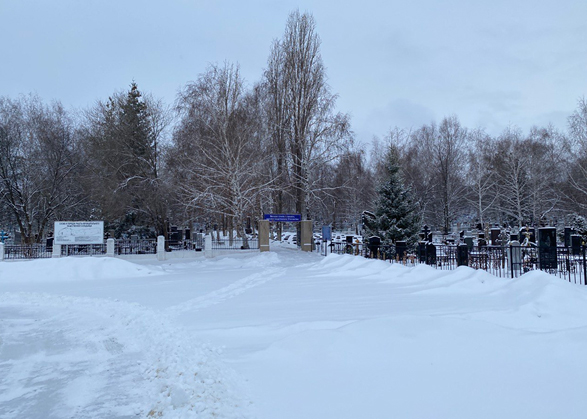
326 233
284 218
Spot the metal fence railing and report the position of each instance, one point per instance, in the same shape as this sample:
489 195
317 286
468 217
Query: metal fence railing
32 251
510 261
135 247
83 249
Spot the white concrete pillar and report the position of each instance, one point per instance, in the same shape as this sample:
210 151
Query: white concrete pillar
110 248
208 246
306 235
56 251
264 236
1 251
160 248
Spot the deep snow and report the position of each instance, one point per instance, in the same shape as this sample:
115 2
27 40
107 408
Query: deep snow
286 335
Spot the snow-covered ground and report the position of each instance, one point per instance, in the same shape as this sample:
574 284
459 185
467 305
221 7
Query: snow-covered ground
286 335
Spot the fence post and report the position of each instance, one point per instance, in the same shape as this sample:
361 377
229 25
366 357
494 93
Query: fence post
110 248
1 251
160 248
56 250
208 246
584 267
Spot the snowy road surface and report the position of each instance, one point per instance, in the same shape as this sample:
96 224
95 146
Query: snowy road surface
286 335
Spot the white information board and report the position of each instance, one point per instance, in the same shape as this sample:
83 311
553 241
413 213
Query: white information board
79 232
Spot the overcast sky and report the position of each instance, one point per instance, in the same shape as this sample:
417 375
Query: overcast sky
392 63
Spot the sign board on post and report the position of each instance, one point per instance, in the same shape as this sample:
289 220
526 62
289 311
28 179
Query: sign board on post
79 232
284 218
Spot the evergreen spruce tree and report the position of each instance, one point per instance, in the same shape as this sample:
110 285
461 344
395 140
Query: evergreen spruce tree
396 217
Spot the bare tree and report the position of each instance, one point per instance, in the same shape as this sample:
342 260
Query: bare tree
481 175
37 163
303 109
513 167
218 147
577 173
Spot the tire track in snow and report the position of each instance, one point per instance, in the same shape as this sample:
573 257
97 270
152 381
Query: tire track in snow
230 291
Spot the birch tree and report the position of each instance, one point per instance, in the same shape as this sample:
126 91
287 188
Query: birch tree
219 147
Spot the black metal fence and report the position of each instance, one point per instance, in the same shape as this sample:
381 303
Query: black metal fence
32 251
569 263
83 249
135 247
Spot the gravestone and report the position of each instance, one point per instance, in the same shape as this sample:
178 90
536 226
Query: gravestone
576 242
495 236
401 248
469 243
430 254
374 244
462 255
422 252
547 248
568 233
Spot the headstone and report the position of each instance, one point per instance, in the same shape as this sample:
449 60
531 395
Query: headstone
401 249
568 233
469 243
547 248
422 252
462 255
495 236
430 254
576 243
374 244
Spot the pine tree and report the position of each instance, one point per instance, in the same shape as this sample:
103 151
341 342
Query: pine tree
396 217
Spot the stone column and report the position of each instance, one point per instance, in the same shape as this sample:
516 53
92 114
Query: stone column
56 250
110 248
306 236
160 248
1 251
264 236
208 245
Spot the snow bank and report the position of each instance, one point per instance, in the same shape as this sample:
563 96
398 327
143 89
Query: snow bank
72 269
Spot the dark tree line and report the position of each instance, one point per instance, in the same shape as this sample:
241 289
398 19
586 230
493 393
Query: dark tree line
226 152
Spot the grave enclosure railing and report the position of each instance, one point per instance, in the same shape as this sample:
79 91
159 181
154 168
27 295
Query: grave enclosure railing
510 261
